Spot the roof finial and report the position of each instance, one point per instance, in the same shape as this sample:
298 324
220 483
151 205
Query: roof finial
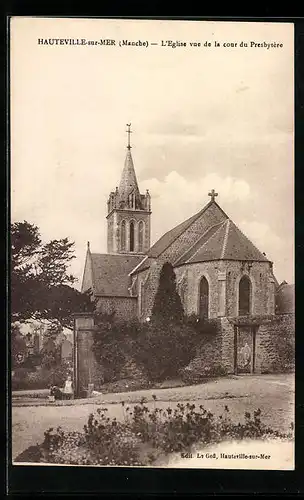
129 131
213 194
88 245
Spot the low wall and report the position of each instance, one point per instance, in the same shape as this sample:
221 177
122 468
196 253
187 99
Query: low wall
274 347
275 344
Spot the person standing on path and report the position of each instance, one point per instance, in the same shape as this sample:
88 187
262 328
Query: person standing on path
68 388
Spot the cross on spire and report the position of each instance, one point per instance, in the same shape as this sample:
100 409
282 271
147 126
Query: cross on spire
213 194
129 131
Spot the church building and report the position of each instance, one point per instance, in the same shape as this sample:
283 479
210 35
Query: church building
221 276
219 271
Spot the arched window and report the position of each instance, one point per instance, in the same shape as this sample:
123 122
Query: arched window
141 236
123 235
132 236
244 296
204 298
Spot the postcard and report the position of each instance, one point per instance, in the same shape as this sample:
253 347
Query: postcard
152 234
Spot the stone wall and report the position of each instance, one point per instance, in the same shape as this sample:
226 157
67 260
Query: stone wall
273 345
213 216
227 274
136 216
274 342
125 308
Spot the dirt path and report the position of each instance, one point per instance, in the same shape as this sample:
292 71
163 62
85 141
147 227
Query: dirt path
273 394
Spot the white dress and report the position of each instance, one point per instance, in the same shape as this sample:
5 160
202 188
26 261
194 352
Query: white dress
68 387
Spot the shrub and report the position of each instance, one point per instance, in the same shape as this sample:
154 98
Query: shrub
143 433
194 375
158 350
57 375
40 379
165 348
167 304
125 385
20 379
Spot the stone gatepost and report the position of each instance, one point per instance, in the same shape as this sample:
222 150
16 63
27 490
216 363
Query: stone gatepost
85 365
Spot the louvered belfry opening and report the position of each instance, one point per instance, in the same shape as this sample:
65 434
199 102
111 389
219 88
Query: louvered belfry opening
123 235
140 236
132 236
244 296
204 298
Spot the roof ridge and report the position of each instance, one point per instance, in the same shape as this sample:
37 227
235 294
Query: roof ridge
119 254
194 218
207 241
137 265
225 238
93 273
197 241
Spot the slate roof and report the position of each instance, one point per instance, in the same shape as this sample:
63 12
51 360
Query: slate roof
223 242
128 181
110 273
170 236
167 239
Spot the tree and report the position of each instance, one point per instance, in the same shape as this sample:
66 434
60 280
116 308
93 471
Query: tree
167 303
40 282
18 347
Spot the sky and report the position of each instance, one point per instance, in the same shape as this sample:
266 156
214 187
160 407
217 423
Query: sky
203 117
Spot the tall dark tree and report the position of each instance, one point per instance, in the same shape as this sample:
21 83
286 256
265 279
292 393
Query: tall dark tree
40 281
167 303
18 347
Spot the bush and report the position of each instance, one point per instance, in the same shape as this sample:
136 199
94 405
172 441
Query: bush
40 379
165 348
195 375
144 432
20 379
158 350
125 385
57 376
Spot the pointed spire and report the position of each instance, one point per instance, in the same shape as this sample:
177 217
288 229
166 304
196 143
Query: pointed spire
128 181
129 132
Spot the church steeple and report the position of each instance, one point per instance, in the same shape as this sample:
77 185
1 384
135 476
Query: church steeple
128 211
128 182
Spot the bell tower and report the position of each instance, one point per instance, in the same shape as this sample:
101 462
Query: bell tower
129 212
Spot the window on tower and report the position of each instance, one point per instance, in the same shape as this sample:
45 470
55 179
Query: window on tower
132 236
141 236
123 235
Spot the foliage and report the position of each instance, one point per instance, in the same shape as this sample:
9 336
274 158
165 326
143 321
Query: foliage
113 344
203 326
57 376
40 282
194 375
18 347
164 348
125 385
42 378
167 303
159 349
145 432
